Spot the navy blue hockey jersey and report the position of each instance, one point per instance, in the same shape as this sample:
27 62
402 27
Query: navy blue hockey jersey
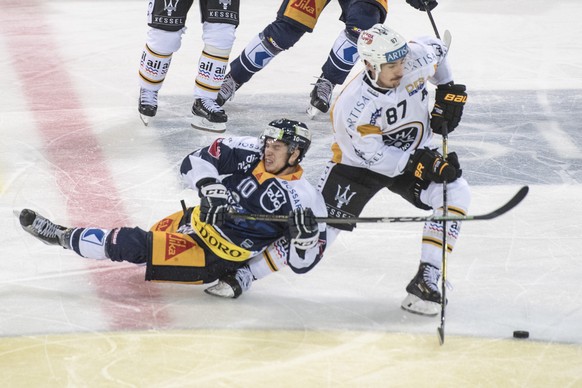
237 162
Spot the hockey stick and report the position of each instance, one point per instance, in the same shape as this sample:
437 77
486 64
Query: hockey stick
434 27
444 129
441 328
513 202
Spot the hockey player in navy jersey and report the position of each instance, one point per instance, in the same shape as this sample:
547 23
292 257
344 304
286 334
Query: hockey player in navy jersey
294 19
382 139
209 242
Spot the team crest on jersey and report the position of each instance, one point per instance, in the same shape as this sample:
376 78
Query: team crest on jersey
343 197
402 139
170 6
273 198
225 3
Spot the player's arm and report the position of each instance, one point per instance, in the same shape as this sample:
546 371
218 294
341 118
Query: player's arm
368 143
450 97
222 157
307 240
200 165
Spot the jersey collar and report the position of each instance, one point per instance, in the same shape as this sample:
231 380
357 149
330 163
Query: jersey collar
262 175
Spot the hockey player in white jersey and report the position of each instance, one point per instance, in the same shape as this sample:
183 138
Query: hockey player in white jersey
167 22
383 132
209 242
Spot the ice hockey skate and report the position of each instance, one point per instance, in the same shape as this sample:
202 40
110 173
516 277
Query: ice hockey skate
208 115
227 90
320 97
424 296
233 285
43 229
148 105
227 287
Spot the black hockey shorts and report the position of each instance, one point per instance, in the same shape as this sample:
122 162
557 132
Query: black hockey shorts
348 189
171 15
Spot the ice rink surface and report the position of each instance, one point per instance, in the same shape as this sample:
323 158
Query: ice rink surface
73 148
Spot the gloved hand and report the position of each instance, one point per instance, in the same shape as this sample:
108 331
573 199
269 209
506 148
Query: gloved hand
303 228
419 4
427 164
214 201
448 106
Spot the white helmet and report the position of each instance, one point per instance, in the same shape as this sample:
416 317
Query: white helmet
379 45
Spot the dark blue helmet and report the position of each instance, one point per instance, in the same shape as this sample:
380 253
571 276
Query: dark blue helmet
293 133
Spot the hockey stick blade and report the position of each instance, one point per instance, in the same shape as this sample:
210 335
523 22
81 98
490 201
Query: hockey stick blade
447 39
513 202
441 333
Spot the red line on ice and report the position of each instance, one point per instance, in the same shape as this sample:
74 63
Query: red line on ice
80 168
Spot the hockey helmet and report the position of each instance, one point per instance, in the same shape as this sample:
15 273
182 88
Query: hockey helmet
293 133
379 45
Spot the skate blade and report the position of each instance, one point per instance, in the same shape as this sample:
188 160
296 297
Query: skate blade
205 125
145 119
312 112
415 305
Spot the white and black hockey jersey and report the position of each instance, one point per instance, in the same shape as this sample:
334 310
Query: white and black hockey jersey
237 162
379 130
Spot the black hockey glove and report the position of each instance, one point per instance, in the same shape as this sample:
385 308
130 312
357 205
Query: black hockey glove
427 164
420 4
214 201
453 160
448 106
303 228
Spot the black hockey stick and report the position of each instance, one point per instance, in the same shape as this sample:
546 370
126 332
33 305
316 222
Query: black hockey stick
441 328
444 129
513 202
436 31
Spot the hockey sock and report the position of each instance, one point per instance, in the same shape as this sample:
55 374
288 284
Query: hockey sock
211 71
432 237
255 57
153 68
89 242
341 59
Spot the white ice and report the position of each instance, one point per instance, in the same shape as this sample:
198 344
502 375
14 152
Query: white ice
521 62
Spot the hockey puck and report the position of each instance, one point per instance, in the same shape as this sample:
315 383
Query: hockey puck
520 334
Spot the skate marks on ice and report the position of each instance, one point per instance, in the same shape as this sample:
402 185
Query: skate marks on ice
506 137
521 137
304 358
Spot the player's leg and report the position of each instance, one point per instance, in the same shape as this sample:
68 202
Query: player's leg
219 22
346 191
184 258
232 285
357 15
119 244
167 24
291 24
424 295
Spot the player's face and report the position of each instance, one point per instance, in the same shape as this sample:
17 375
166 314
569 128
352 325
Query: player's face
276 156
391 74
